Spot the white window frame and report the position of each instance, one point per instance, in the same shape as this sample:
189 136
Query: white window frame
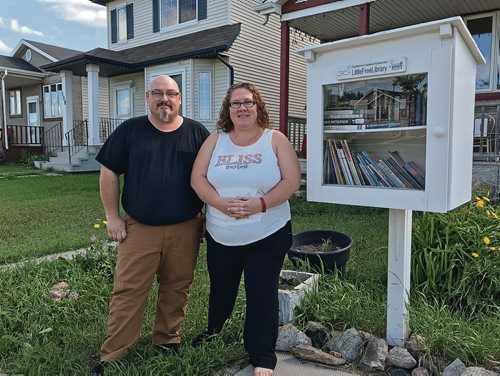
15 103
56 108
125 87
121 24
177 24
205 96
495 50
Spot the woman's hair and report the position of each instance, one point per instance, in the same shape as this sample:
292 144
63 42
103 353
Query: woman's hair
225 124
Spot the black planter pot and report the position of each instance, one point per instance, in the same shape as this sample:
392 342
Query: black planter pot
326 262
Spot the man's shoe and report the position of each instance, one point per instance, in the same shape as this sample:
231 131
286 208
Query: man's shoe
169 348
98 368
202 338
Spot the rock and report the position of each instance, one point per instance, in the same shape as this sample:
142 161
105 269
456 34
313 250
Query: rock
420 371
455 368
415 345
348 343
367 337
317 333
374 356
399 372
313 354
477 371
288 336
401 358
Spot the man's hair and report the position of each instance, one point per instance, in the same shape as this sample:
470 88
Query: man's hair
226 125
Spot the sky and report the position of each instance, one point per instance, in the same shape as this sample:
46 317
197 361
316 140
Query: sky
75 24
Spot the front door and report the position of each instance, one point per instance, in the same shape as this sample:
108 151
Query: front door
33 131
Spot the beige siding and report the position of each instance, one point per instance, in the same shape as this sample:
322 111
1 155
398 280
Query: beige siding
255 56
297 97
143 23
103 98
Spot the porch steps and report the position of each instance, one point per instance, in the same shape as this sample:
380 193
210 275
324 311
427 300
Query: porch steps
83 161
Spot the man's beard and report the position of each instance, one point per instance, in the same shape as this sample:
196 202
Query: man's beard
164 116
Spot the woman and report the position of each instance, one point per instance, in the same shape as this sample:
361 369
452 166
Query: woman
245 172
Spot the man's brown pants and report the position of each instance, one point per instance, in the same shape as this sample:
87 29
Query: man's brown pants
170 252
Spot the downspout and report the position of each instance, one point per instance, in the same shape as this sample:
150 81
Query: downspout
6 135
231 69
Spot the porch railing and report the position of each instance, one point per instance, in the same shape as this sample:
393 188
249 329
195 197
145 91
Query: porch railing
24 135
77 138
52 137
296 131
487 133
107 126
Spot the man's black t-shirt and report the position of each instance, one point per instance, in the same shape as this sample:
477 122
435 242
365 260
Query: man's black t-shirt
157 169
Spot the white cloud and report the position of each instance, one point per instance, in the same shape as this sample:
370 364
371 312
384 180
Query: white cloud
4 47
1 21
14 25
82 11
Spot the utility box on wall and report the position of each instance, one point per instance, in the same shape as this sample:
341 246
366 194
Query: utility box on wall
390 118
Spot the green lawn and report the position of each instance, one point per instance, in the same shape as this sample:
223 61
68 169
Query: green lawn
38 336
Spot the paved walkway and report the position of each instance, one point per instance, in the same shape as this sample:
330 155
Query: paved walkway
288 365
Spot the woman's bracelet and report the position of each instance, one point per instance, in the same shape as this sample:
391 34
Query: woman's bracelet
263 204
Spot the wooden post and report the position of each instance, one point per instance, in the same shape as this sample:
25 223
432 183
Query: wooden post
284 76
398 276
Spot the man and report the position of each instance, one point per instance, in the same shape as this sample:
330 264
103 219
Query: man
160 233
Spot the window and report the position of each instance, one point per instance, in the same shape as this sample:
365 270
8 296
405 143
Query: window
122 23
53 101
15 102
205 95
485 31
173 12
123 102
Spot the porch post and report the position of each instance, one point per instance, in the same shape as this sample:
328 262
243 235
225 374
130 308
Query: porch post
284 76
364 19
67 86
93 95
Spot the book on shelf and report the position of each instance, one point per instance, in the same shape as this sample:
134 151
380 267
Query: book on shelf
398 183
342 116
341 111
411 168
345 167
372 163
344 121
402 173
350 162
345 127
385 124
336 163
368 174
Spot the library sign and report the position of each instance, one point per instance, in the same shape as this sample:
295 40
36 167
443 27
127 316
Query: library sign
389 66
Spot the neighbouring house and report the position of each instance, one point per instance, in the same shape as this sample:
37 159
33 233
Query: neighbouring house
332 20
205 45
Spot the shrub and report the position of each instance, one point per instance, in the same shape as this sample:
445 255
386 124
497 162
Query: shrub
456 256
28 159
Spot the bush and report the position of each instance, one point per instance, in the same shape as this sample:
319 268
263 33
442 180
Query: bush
456 256
28 159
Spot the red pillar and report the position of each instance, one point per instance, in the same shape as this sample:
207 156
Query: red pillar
284 76
364 19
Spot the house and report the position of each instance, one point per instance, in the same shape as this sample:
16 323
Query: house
332 20
204 45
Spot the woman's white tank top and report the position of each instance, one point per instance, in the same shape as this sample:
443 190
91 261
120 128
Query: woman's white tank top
245 171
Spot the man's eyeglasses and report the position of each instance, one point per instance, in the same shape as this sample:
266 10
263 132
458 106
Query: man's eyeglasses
158 94
237 104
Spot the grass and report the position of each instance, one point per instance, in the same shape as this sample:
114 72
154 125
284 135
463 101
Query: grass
45 214
39 336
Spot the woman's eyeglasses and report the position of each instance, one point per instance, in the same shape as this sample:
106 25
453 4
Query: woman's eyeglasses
237 104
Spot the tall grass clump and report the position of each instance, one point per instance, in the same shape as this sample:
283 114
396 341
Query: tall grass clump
456 256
